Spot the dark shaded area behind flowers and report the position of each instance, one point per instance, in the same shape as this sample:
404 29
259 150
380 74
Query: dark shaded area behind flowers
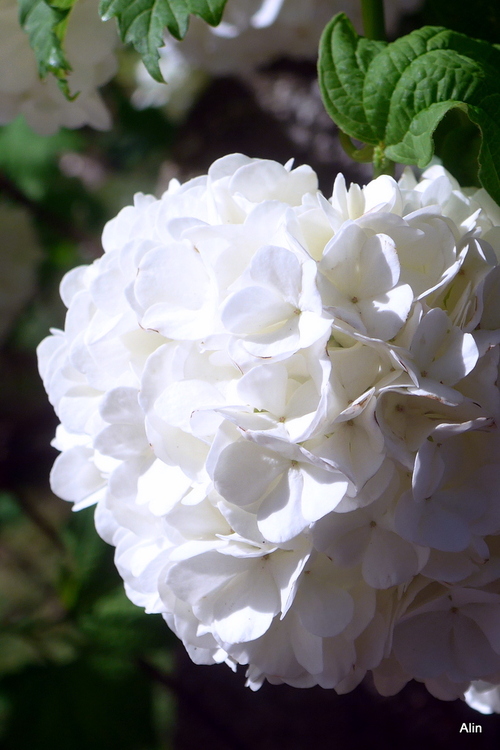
80 666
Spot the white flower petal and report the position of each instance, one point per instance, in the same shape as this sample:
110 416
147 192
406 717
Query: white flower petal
245 471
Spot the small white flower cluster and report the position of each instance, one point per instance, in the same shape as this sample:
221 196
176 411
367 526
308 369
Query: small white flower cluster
184 83
252 33
286 409
89 46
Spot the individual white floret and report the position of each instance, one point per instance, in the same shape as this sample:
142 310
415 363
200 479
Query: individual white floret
278 309
454 634
363 273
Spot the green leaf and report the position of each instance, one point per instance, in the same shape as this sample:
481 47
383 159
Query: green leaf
457 141
142 22
344 58
61 4
362 155
45 23
394 96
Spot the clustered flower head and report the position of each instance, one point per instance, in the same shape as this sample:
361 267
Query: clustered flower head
89 45
286 409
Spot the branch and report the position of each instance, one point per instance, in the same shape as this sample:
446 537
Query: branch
57 223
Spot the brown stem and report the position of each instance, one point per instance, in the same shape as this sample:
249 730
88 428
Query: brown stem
54 221
40 522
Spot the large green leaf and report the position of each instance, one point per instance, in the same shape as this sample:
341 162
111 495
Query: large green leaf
344 58
393 96
142 22
45 23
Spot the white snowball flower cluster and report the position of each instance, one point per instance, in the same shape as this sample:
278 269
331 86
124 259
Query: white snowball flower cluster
89 46
252 33
286 409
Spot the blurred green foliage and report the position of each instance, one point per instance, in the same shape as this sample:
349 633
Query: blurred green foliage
72 646
71 643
